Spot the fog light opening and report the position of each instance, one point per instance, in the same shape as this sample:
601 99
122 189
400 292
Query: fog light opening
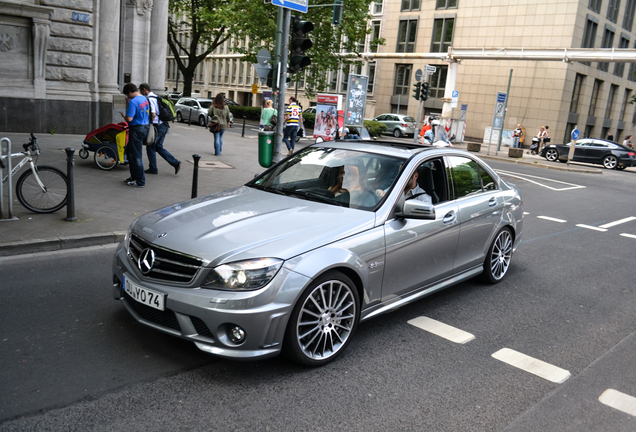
236 334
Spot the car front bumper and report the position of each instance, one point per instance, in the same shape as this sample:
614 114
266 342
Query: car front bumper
206 316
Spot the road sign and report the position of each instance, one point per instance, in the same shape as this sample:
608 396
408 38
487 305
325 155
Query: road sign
454 98
462 112
297 5
575 134
254 88
430 69
418 75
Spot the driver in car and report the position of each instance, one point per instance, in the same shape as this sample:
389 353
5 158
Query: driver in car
414 190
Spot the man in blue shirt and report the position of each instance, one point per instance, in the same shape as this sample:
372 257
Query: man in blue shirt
138 118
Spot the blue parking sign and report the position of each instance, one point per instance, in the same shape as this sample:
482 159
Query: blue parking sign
575 134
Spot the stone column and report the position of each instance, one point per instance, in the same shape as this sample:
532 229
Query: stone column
108 54
41 31
158 46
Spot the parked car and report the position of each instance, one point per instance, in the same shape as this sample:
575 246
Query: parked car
310 110
223 272
231 102
397 124
595 151
196 110
173 96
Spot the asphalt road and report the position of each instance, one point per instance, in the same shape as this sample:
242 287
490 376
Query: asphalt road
72 359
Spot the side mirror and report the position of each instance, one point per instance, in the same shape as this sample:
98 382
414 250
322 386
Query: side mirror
416 209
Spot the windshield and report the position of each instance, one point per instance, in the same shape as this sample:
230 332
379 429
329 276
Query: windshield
340 177
205 104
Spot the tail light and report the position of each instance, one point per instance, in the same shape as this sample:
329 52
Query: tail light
631 154
405 125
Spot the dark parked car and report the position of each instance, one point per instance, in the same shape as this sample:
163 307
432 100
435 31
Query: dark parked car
595 151
327 238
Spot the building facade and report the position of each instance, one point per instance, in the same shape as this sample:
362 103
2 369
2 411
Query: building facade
594 96
63 63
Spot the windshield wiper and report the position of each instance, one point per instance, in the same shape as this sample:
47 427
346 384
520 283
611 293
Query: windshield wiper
269 189
314 196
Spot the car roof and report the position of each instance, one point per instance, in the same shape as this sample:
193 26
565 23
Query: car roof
400 150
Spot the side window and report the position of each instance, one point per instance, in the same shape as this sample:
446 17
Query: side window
431 178
487 182
465 175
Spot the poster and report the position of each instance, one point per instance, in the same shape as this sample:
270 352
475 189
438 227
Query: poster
328 116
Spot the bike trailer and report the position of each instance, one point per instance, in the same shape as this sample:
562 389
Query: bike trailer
108 142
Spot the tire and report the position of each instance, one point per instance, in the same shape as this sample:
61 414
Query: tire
610 162
552 155
397 133
31 195
315 341
83 153
202 121
498 258
179 118
106 158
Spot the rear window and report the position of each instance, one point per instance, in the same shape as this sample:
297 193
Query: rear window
409 119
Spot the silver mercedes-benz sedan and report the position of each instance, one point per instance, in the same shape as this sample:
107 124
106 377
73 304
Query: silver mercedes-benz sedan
333 235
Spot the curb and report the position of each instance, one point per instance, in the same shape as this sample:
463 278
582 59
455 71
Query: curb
60 243
542 165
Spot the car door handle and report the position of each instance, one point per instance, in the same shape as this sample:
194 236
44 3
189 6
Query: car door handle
492 202
450 217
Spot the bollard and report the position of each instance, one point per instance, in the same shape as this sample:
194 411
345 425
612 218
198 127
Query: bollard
195 175
70 190
189 117
243 132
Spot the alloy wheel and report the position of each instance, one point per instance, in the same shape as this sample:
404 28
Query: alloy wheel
500 255
610 162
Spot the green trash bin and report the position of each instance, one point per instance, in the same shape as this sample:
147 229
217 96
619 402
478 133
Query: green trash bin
265 148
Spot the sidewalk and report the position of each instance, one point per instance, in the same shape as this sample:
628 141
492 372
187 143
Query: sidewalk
105 206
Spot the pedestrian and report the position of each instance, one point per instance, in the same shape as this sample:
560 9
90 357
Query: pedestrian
425 128
138 117
268 113
516 136
219 113
628 141
294 120
161 131
610 137
542 135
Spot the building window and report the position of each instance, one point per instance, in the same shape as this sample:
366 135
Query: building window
333 81
628 18
589 34
220 72
233 71
568 132
407 32
402 79
595 92
344 81
371 73
612 10
375 35
626 99
377 7
438 82
608 41
576 93
409 5
227 72
631 75
442 34
619 68
610 101
595 5
445 4
589 130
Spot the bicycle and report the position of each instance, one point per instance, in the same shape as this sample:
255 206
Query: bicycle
43 188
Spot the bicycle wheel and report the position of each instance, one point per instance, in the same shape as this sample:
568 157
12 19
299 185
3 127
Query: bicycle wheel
31 195
106 158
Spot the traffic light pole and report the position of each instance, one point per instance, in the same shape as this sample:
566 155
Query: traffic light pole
277 52
282 80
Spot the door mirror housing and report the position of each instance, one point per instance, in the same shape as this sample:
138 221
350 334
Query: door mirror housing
416 209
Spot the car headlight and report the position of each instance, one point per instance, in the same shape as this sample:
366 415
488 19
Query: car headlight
243 275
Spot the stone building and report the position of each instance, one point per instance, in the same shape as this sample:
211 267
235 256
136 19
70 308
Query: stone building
594 96
63 63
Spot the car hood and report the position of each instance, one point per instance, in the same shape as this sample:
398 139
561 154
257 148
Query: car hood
246 223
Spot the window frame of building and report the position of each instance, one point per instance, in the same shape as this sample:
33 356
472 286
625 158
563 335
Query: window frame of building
438 81
607 42
610 100
628 15
612 10
234 70
576 93
333 81
371 67
627 96
589 34
595 5
213 71
402 79
378 6
376 28
407 35
442 44
623 43
596 90
226 79
344 79
410 5
446 4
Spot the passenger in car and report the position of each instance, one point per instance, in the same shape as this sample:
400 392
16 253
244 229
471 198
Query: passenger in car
337 189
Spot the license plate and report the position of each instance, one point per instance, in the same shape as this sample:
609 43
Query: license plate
145 296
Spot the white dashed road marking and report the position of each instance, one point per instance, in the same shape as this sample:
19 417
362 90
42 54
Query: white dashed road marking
591 227
618 222
552 219
532 365
442 330
629 235
541 180
620 401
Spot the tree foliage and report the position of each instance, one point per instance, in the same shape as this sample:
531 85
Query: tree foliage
210 23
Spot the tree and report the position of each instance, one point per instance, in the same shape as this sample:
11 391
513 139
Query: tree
201 26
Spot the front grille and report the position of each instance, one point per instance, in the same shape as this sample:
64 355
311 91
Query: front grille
200 327
164 318
169 266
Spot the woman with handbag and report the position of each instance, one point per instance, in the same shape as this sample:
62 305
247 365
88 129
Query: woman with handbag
219 115
269 116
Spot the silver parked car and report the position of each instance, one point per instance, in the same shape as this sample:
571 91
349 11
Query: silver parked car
397 124
196 110
325 239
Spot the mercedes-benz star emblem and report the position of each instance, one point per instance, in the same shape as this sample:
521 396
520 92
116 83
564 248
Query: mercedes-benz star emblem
146 260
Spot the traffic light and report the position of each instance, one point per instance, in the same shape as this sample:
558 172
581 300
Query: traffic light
336 18
270 78
426 91
299 44
416 90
